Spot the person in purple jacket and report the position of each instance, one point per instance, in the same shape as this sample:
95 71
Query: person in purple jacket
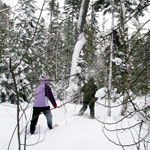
43 94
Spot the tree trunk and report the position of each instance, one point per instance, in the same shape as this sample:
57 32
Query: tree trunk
82 15
79 44
18 103
110 66
126 49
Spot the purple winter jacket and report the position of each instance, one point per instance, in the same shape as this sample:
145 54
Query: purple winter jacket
43 94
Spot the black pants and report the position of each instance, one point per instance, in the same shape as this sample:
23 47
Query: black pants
91 105
36 112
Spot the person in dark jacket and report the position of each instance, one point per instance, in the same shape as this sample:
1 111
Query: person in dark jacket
89 99
43 94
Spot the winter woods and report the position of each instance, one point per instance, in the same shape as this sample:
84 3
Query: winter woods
108 40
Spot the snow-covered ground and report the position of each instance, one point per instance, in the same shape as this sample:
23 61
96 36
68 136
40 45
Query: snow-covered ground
73 133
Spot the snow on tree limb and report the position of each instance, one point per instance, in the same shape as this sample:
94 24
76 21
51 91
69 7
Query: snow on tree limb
79 45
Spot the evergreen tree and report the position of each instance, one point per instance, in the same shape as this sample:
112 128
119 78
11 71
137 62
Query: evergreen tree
20 47
36 60
124 11
71 10
6 25
55 58
140 65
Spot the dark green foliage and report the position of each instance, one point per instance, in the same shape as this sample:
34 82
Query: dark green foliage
116 38
101 4
73 7
141 70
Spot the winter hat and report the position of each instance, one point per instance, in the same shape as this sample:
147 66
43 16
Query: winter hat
91 79
45 81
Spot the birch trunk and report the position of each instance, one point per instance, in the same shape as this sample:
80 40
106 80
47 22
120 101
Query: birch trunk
110 66
126 48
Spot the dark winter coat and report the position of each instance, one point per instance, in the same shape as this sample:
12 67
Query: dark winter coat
89 90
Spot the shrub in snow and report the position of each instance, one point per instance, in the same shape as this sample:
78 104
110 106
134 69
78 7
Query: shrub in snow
101 92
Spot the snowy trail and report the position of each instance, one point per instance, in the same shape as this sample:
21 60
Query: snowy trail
76 132
73 133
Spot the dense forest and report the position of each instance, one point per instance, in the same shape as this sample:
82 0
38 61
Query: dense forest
105 39
34 46
116 50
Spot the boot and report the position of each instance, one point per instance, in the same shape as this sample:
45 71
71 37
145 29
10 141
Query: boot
92 116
